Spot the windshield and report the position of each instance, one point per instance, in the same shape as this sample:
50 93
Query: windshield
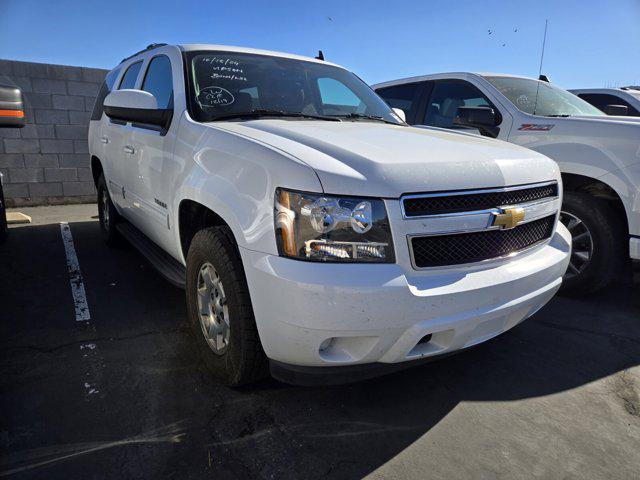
551 101
226 83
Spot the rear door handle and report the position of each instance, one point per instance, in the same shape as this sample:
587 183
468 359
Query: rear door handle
104 139
129 149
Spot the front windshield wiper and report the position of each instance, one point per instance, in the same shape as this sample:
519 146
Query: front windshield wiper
256 113
559 115
366 117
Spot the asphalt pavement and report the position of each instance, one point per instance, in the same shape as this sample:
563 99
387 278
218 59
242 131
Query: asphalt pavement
124 395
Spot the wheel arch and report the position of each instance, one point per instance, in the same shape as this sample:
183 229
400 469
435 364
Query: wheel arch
96 169
193 216
573 182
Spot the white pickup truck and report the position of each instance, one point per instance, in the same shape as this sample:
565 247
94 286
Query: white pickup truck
599 156
315 233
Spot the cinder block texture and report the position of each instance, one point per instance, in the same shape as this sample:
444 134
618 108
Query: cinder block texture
47 161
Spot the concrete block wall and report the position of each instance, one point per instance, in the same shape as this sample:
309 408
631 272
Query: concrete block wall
47 161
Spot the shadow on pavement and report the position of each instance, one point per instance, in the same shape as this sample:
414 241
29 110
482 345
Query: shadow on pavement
156 413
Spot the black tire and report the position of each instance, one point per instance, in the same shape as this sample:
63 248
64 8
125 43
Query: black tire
606 228
244 360
107 222
4 229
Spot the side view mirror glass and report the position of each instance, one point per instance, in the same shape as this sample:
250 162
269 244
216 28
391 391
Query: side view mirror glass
618 110
11 107
400 113
136 106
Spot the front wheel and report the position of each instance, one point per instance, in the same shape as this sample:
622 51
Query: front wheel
597 253
219 308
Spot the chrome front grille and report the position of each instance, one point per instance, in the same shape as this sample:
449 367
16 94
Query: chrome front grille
463 227
453 202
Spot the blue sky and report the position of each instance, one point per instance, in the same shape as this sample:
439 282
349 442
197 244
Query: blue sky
589 43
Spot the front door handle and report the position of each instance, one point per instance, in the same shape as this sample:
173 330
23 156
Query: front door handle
104 139
129 149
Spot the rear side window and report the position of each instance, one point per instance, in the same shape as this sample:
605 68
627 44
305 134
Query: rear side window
130 76
404 97
601 100
159 82
105 89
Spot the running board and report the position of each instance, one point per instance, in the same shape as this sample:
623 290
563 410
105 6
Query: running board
165 264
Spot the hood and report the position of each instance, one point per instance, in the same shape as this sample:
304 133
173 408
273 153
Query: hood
383 160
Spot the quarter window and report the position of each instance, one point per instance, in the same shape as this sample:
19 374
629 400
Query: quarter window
159 82
404 97
130 76
447 97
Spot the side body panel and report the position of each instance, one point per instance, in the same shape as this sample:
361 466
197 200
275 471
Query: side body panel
152 149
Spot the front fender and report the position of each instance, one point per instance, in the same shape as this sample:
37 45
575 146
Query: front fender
236 177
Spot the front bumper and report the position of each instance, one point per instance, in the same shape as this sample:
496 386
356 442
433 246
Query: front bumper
380 313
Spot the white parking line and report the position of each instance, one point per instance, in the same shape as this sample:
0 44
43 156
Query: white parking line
75 277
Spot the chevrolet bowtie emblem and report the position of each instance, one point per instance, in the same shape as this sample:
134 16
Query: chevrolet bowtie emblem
509 218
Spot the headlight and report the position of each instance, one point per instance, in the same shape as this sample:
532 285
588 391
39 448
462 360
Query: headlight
312 226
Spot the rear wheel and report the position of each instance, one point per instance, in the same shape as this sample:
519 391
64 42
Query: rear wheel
219 308
107 214
597 254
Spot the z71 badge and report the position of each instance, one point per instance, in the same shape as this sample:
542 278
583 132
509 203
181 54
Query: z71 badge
536 127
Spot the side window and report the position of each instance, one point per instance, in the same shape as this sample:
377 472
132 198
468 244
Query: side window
337 98
601 100
253 97
159 82
402 96
105 89
130 76
447 97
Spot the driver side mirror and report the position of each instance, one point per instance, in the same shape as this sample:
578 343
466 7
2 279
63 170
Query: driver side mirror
136 106
11 107
482 118
617 110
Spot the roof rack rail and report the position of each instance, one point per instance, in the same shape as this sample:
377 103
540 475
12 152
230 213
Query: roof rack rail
149 47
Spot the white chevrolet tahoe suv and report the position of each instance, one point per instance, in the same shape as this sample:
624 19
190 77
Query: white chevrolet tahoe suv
315 233
599 155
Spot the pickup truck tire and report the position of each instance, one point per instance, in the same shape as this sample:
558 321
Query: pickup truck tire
239 358
604 226
107 214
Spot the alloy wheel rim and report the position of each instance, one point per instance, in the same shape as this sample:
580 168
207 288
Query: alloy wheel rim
581 244
213 309
105 210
